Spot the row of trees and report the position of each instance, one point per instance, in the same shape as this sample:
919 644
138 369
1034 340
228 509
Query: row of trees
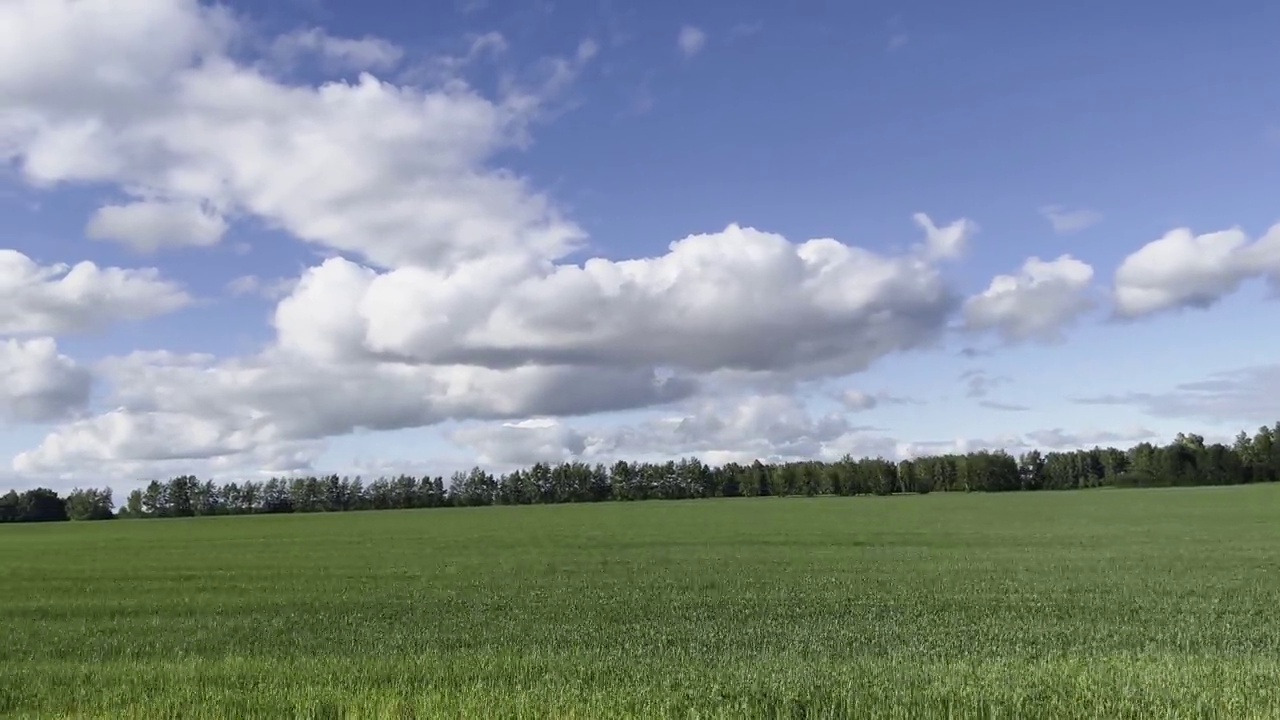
1185 461
45 505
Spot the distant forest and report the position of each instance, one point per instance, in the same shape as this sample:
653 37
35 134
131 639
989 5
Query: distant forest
1187 461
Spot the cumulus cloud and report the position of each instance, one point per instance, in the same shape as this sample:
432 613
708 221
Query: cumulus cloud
40 384
770 428
448 293
65 67
394 174
148 225
1067 222
690 40
1185 270
1035 304
54 299
765 427
173 406
737 299
538 440
124 447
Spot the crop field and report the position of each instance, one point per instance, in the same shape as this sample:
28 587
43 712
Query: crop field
1104 603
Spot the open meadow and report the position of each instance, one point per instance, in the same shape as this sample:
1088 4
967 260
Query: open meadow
1103 603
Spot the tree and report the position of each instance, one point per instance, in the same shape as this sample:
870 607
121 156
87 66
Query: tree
41 505
1031 470
10 507
1187 460
132 506
90 505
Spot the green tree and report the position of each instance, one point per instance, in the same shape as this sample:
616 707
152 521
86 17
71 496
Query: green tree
10 507
90 504
41 505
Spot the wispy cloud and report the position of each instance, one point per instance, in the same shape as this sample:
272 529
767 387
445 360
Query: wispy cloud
691 40
1058 439
857 401
978 383
642 100
1250 394
368 53
1066 222
898 36
745 29
1007 407
252 285
639 98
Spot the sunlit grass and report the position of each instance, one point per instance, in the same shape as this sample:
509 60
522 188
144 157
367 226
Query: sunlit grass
1093 604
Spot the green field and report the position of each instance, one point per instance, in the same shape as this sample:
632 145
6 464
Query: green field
1105 603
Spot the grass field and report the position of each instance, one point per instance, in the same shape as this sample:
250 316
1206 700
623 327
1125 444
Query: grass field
1108 603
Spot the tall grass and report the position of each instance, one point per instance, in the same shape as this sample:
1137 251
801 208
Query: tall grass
1092 604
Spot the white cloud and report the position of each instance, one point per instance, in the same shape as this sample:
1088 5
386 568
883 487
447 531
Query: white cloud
738 299
367 53
148 225
690 40
78 59
245 285
766 427
236 407
479 47
40 385
452 291
587 49
397 175
856 400
1035 304
448 294
122 447
1067 222
523 443
947 242
770 428
1184 270
56 299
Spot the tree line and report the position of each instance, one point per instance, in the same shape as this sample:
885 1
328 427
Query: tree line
1186 461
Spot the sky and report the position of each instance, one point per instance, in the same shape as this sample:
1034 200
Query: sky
313 236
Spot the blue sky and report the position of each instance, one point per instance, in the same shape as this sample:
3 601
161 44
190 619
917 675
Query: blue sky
343 236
